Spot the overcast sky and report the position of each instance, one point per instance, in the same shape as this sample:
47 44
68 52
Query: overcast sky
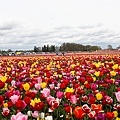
28 23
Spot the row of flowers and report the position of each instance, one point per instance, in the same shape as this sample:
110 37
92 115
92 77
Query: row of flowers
61 87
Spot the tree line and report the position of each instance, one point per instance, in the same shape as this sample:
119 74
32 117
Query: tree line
66 47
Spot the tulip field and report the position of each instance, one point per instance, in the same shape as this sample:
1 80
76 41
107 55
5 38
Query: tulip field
71 87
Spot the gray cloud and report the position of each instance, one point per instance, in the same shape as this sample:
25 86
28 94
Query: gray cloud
15 36
8 26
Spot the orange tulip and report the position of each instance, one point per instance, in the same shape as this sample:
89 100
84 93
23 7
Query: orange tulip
96 108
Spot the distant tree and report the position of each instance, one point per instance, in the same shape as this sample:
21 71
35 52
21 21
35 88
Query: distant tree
47 49
9 50
44 48
52 48
36 49
78 47
109 47
118 48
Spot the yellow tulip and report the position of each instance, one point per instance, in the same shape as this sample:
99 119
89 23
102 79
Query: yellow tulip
97 73
3 78
72 66
5 105
72 72
5 87
43 84
58 66
115 113
117 118
94 78
115 66
37 72
113 73
36 100
69 90
26 86
97 64
32 103
60 76
99 96
8 69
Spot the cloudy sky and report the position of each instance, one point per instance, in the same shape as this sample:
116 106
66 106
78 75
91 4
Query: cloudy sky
28 23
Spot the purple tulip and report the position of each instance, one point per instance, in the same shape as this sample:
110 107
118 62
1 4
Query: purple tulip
100 116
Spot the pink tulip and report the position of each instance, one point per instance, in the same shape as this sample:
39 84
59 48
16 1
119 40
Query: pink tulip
39 79
14 98
50 99
13 83
59 94
73 99
94 86
46 92
35 114
19 116
117 94
52 86
37 86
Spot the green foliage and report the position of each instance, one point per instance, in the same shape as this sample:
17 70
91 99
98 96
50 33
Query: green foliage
78 47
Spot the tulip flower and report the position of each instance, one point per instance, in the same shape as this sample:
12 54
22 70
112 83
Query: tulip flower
96 108
73 99
117 118
113 73
78 112
109 115
94 86
26 86
68 109
19 116
117 94
100 116
86 108
59 94
71 90
97 73
2 84
43 84
115 113
92 114
37 86
99 96
5 112
46 92
20 104
14 98
3 78
35 114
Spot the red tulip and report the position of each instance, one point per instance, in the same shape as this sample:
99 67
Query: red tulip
39 106
20 104
68 109
68 95
109 115
86 108
91 100
2 84
5 112
84 98
92 114
79 113
1 100
27 100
